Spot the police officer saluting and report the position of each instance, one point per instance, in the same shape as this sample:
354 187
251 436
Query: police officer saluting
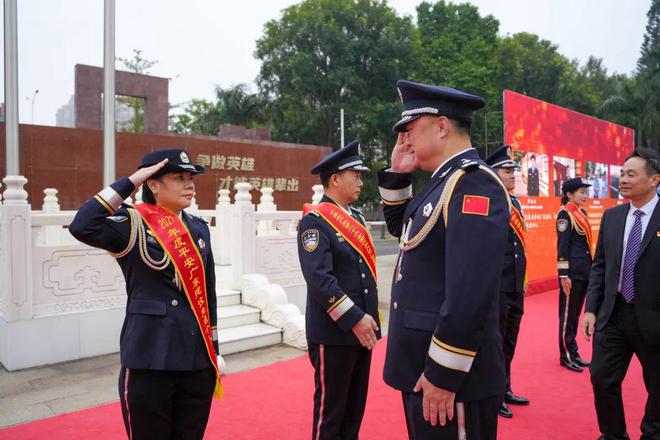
574 247
168 343
513 283
444 351
339 264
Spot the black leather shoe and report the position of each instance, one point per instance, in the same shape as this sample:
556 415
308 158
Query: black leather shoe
505 411
571 366
512 399
581 362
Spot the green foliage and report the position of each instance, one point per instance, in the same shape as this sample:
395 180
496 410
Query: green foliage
136 64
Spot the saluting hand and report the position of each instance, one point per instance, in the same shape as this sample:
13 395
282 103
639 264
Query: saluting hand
403 157
437 404
143 174
365 330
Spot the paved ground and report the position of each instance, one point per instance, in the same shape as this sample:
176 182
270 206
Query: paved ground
42 392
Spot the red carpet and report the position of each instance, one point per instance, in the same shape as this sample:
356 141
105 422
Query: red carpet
274 402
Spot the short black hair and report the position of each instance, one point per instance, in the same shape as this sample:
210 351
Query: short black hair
325 180
533 156
650 156
462 125
147 195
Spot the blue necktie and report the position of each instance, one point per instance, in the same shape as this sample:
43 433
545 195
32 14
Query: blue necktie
630 260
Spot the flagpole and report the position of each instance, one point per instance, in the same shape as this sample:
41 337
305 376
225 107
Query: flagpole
108 92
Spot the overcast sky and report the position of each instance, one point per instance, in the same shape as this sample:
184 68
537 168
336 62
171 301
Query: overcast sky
203 43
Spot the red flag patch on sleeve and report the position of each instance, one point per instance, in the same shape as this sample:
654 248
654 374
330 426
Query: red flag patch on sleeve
478 205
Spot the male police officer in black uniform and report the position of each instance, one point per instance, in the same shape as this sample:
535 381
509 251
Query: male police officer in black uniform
513 285
444 350
167 379
341 319
533 177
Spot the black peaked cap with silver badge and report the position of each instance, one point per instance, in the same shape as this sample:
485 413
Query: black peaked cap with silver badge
424 99
348 158
178 161
501 158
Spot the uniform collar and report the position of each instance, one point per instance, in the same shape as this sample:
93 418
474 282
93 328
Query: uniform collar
447 163
329 200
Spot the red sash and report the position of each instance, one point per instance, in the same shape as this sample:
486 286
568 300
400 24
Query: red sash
175 239
352 230
517 223
582 223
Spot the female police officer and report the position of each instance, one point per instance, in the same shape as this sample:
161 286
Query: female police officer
168 341
573 264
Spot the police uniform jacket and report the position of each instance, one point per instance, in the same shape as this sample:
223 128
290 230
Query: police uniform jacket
573 254
340 287
160 331
515 261
445 296
533 182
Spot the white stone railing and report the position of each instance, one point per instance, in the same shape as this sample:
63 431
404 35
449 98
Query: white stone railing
62 300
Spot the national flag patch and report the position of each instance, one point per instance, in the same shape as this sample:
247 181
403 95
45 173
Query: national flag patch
477 205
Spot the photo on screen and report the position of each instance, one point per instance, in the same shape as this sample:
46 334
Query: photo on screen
615 175
595 174
563 169
532 179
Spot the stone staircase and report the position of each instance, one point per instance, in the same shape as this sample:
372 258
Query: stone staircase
240 327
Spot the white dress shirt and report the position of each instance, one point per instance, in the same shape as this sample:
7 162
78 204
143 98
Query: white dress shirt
630 220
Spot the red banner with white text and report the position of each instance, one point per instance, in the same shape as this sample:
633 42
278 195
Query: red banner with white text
552 144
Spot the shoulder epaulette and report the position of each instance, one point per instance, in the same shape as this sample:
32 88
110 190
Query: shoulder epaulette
467 164
314 213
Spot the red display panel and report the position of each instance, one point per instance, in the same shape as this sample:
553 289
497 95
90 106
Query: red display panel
553 144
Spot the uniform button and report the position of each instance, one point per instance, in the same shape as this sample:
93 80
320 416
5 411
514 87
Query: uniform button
192 332
175 303
399 277
366 290
515 244
363 276
515 255
360 260
396 306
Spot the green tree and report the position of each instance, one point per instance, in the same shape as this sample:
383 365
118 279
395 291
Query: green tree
233 105
136 64
648 80
459 48
325 55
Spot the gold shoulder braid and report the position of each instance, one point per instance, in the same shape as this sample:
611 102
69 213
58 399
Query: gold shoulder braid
407 244
144 251
135 224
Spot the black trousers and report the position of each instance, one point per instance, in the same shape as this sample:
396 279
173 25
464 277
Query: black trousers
165 405
479 420
511 312
569 315
613 350
341 378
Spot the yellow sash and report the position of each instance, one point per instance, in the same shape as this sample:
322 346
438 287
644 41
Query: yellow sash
175 239
350 229
581 222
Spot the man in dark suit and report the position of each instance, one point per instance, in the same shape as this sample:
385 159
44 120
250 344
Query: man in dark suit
341 320
513 283
623 301
444 350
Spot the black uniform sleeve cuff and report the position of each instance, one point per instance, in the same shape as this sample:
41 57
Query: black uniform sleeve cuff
112 196
394 187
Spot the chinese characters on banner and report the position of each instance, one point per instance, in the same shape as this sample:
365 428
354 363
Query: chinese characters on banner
238 163
552 144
